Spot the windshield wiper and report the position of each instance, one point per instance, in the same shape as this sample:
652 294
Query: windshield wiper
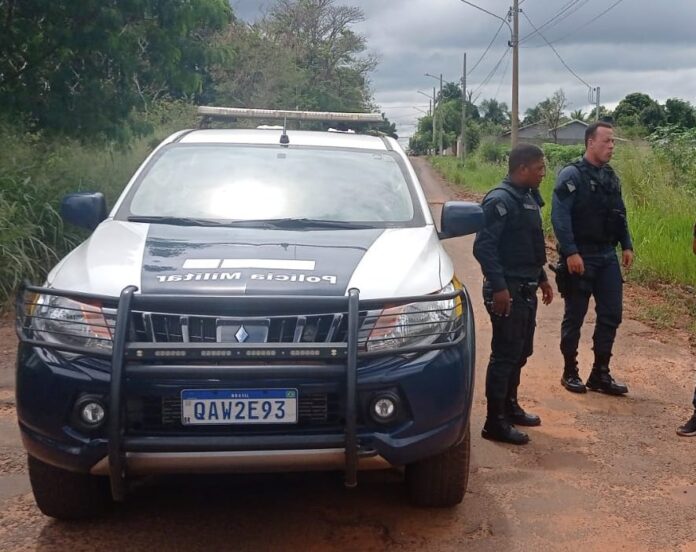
293 223
177 221
289 223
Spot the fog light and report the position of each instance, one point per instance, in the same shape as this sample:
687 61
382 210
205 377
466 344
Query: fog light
384 408
92 413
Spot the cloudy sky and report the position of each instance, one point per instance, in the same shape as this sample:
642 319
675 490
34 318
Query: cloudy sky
638 45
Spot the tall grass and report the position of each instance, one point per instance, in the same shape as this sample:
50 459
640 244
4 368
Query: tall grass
36 172
661 211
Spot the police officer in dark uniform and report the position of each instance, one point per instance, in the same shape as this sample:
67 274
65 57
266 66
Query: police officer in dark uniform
689 428
589 220
511 251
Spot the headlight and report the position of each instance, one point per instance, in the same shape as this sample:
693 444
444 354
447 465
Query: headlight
64 321
415 324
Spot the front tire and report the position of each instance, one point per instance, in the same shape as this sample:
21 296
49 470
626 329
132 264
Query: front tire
67 495
441 480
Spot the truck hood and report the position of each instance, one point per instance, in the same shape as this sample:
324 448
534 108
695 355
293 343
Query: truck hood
248 261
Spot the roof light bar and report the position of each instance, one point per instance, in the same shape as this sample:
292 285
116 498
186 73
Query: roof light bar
248 113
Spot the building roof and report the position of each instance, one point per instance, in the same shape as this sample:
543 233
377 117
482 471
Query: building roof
541 123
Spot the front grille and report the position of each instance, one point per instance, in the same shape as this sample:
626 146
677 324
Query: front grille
147 414
174 328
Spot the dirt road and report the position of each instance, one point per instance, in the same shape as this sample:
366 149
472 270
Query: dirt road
601 473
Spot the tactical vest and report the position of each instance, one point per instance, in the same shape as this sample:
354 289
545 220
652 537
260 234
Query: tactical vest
522 243
596 208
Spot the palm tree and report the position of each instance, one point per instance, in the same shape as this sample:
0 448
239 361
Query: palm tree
578 115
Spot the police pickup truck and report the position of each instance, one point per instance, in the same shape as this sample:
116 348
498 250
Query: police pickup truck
256 300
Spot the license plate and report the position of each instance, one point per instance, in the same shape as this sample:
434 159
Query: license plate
238 406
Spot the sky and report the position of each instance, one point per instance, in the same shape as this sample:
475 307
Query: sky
637 46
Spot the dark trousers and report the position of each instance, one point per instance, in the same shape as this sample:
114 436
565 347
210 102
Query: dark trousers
603 280
694 401
512 344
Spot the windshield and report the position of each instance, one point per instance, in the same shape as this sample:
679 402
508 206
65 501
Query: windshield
251 183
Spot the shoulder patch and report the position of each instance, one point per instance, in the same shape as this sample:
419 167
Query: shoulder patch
500 207
570 185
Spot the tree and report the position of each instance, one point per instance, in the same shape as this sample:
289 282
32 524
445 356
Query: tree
552 111
532 115
422 140
303 55
495 112
653 116
472 112
578 115
604 113
386 127
639 110
450 91
326 51
680 113
80 68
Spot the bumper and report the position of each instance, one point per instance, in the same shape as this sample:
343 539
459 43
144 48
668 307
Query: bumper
434 389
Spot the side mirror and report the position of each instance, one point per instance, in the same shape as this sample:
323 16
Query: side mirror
84 209
460 218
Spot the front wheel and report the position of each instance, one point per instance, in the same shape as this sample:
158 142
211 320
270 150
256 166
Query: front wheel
441 480
63 494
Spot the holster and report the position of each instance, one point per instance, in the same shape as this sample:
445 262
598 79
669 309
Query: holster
562 277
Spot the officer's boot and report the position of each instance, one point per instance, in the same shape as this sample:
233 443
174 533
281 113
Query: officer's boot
517 415
571 378
600 379
498 427
689 428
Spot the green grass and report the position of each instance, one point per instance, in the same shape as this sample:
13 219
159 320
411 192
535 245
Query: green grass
37 171
661 211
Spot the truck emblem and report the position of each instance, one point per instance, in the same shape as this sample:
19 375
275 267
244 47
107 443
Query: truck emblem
242 335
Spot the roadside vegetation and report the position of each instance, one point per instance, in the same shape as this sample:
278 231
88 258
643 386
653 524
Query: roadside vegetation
38 171
87 91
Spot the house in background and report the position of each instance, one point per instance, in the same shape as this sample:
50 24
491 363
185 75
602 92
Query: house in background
572 132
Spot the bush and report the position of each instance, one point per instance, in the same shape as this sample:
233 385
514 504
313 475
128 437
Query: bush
490 151
558 155
36 172
677 146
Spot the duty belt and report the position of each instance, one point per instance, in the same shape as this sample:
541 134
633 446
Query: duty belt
590 248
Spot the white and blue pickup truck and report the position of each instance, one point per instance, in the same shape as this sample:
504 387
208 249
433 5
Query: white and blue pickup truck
256 300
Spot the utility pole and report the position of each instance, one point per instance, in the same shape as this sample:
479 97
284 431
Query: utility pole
441 118
598 105
434 109
515 71
462 134
434 122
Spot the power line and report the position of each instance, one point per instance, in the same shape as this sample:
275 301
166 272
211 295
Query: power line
486 11
567 14
556 52
490 75
502 77
563 12
486 50
587 23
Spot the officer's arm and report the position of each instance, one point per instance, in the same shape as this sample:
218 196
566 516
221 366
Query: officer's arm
564 193
625 238
496 213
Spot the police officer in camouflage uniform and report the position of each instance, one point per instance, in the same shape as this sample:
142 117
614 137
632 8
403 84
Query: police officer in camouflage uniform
589 219
511 251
